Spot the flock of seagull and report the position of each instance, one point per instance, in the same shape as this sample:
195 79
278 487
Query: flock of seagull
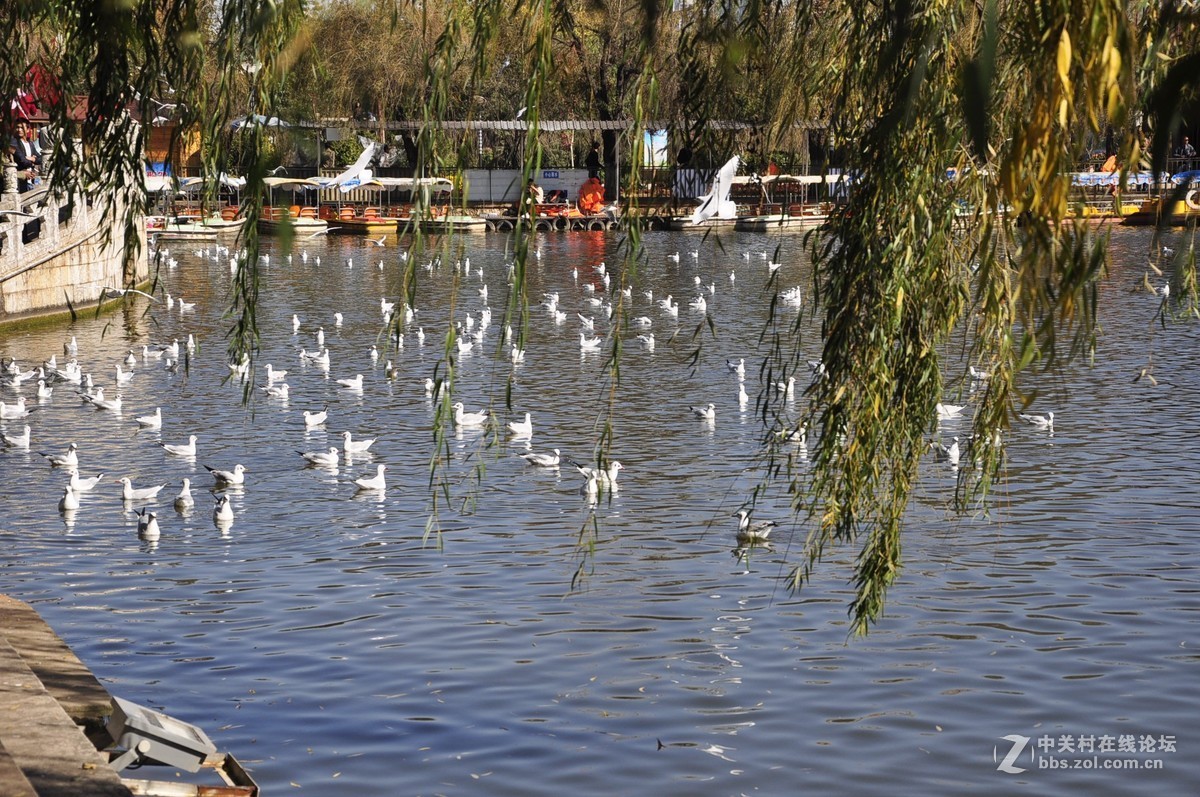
471 332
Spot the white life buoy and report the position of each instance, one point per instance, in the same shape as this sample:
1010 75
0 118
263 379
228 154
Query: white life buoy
1193 199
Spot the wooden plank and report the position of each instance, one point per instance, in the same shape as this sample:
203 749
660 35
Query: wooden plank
45 743
64 676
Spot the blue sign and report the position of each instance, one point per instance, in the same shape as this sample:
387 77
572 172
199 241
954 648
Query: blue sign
549 174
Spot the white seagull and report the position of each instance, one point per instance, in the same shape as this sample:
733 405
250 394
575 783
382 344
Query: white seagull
606 477
187 449
944 453
708 413
17 440
131 493
69 501
463 418
67 460
150 421
542 460
312 419
184 500
148 525
947 411
325 459
354 383
749 531
79 485
235 476
376 482
1045 422
11 412
352 446
522 428
222 512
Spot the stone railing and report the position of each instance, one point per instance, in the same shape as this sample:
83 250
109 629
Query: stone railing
58 251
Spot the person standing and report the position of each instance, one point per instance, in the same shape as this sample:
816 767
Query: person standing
593 161
1186 150
25 158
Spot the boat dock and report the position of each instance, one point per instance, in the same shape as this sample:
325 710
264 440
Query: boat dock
53 715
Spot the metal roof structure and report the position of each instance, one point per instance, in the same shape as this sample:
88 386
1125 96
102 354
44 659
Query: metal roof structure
548 126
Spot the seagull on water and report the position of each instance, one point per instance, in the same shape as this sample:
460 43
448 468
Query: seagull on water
131 493
67 460
148 525
647 341
222 512
947 411
279 391
354 383
463 418
1045 422
312 419
522 428
752 531
542 460
274 375
150 421
352 446
589 344
187 449
738 367
11 412
69 501
79 485
17 440
708 413
944 453
235 476
376 482
606 477
325 459
184 500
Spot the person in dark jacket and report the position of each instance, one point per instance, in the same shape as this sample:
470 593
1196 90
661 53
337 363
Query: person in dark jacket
593 161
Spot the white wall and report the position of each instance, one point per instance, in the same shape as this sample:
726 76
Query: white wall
503 185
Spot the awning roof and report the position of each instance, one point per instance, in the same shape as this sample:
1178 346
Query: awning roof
548 126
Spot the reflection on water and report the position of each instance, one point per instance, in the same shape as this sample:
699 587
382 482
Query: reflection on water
332 639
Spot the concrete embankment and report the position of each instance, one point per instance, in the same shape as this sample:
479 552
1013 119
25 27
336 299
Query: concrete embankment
51 711
63 254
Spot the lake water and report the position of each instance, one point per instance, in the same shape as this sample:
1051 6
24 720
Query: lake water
533 648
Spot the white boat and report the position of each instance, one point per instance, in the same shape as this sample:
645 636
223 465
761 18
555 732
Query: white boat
808 219
178 228
450 223
684 224
303 218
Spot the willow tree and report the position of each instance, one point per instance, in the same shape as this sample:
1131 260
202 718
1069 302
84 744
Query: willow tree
997 91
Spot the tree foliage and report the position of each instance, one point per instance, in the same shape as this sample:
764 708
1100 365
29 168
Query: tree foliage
1005 94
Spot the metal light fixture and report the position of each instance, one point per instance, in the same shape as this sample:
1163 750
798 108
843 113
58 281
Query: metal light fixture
151 737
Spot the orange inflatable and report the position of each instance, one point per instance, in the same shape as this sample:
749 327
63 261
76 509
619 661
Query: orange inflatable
591 197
